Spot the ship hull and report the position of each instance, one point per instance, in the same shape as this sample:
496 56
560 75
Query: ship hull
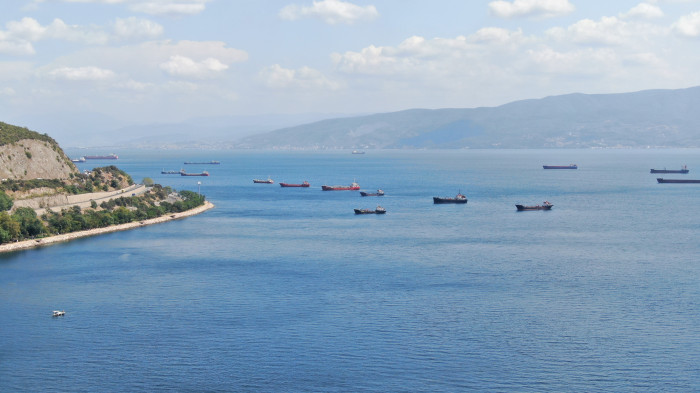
339 188
369 211
305 185
676 181
537 207
560 166
194 174
440 201
682 171
353 187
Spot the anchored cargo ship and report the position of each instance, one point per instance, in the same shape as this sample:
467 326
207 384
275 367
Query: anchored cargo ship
661 180
570 166
459 198
204 173
684 169
378 210
304 184
544 206
352 187
378 193
202 163
107 157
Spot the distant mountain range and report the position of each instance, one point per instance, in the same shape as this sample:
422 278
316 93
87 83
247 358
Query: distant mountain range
651 118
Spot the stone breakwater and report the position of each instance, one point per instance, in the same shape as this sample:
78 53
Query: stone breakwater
26 244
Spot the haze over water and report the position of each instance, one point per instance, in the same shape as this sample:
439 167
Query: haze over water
282 289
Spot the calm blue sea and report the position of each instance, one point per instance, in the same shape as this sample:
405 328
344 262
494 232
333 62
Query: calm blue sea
286 290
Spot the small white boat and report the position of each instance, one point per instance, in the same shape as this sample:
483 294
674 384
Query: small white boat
57 313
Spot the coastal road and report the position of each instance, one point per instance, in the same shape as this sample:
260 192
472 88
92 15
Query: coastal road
85 200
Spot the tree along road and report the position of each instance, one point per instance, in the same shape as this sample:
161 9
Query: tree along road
85 200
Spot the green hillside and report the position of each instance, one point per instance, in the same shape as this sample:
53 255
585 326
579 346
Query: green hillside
11 134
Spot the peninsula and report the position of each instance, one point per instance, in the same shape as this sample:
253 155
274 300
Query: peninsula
45 199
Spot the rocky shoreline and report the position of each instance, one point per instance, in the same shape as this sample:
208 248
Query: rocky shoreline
27 244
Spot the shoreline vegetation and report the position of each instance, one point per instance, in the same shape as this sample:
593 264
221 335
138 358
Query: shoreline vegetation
24 223
28 244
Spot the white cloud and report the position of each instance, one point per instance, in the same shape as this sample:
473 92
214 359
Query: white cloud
305 77
330 11
688 25
635 35
7 91
530 8
134 86
152 7
497 35
173 8
186 67
133 27
81 73
417 55
155 60
608 31
16 48
20 34
26 29
644 10
587 61
59 30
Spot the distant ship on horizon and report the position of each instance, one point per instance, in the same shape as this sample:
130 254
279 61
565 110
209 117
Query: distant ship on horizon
107 157
662 180
204 173
684 169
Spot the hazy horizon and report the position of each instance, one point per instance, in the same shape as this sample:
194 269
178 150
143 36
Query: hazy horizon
170 60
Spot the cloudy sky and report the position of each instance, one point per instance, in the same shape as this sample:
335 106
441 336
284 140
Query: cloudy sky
169 60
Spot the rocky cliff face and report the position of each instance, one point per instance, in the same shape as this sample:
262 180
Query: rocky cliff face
32 159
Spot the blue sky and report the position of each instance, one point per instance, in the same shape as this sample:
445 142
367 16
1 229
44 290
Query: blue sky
169 60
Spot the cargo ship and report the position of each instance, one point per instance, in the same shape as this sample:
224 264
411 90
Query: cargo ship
544 206
304 184
268 181
378 210
81 159
352 187
202 163
164 172
570 166
661 180
107 157
459 198
204 173
378 193
684 169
